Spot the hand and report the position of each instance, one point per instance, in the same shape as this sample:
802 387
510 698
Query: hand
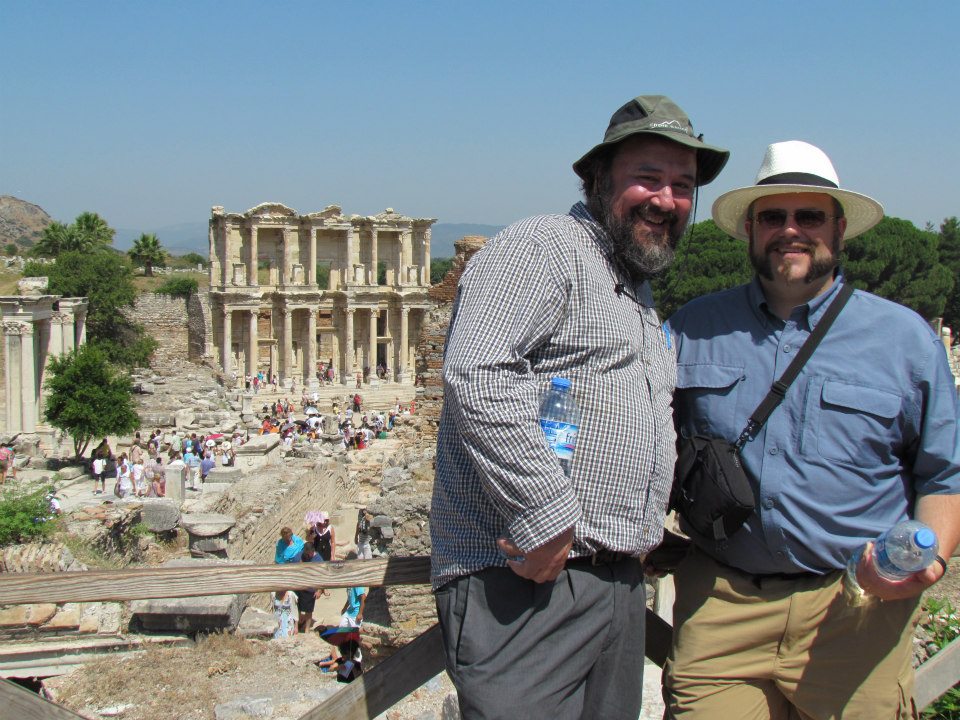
873 584
665 557
543 564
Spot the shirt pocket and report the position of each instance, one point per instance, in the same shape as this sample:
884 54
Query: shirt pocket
706 402
856 424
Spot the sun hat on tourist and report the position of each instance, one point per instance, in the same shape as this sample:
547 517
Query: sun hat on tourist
657 115
795 166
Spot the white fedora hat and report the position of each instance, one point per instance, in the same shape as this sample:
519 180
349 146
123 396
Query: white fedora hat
795 166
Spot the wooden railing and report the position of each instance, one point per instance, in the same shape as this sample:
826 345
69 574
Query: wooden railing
372 693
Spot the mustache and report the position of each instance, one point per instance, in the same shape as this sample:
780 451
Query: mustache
646 211
777 245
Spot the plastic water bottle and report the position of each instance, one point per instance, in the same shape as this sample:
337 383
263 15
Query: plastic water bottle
560 420
904 549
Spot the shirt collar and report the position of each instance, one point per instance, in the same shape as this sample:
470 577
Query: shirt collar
808 313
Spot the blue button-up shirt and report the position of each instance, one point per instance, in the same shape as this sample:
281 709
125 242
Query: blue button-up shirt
870 423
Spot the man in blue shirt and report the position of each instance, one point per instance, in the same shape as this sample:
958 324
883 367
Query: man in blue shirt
865 438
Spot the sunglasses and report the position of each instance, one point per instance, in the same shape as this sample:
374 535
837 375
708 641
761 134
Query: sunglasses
807 219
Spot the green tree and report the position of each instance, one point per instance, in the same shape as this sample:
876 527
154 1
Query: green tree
950 257
88 398
88 232
55 237
106 279
148 251
900 262
707 260
11 249
22 516
192 258
438 268
179 286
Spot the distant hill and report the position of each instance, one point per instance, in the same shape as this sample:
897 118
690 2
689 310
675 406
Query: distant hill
192 237
21 222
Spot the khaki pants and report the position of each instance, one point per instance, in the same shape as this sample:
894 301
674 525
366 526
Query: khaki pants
784 649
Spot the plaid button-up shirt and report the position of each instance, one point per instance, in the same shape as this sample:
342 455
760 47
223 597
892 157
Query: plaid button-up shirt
541 300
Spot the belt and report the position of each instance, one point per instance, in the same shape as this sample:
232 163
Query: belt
601 557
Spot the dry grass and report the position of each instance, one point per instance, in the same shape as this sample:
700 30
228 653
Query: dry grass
8 281
159 682
150 284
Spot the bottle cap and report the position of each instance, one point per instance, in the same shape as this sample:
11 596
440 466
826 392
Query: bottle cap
925 538
560 383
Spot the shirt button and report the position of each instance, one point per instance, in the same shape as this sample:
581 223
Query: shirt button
774 451
787 348
769 502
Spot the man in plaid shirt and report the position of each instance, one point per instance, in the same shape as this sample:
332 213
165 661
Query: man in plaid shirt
538 585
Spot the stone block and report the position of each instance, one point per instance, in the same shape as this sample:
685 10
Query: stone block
14 616
41 613
256 623
244 708
222 474
206 525
259 445
184 418
209 545
160 514
382 521
190 615
71 472
66 618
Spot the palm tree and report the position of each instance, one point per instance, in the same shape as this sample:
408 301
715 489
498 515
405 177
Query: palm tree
147 250
56 238
92 232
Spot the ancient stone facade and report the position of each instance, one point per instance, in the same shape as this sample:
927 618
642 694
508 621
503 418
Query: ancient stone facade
36 327
290 290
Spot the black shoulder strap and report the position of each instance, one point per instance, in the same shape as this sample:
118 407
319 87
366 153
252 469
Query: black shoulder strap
779 389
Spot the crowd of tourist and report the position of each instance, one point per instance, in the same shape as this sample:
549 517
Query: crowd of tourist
141 471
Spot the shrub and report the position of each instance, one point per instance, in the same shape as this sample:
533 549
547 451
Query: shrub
23 517
943 626
179 286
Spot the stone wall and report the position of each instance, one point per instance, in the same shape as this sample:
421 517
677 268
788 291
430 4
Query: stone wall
433 334
35 621
164 317
199 328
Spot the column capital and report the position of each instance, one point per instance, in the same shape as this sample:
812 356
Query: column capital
17 328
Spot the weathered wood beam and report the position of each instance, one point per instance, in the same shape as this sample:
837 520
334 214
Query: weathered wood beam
18 588
18 702
938 674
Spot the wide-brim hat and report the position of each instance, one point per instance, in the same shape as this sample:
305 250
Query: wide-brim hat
795 166
658 115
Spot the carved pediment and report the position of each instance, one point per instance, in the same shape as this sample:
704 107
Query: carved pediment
270 209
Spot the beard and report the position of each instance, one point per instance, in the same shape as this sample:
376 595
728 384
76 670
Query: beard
820 267
640 251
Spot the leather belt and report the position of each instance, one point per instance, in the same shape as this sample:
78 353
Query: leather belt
601 557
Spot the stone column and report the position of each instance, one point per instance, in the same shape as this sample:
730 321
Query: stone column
373 260
55 345
253 349
404 369
12 335
28 380
67 333
285 269
252 277
286 357
226 347
372 352
310 374
226 264
349 365
348 265
312 267
80 325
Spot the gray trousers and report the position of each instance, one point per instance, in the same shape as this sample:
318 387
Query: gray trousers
568 649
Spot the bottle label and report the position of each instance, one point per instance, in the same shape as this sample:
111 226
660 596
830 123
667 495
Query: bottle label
561 437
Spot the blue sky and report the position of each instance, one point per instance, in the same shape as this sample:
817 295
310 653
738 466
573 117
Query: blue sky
150 112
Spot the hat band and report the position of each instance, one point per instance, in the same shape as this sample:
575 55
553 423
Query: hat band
797 178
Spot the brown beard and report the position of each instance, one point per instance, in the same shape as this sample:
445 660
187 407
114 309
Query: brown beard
819 268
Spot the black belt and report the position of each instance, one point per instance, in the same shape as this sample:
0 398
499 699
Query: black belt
601 557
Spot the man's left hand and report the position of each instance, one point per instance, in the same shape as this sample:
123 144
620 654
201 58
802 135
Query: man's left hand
873 584
542 564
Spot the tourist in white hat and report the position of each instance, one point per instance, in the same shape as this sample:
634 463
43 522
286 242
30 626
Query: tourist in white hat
864 438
